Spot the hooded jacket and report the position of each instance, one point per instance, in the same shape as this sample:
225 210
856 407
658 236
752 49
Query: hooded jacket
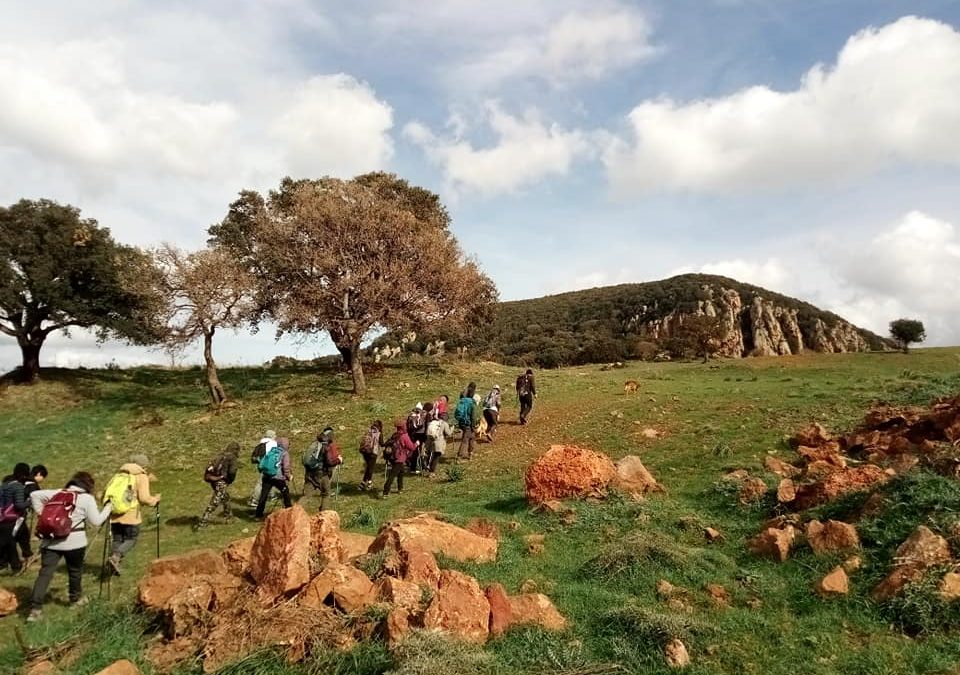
401 444
141 482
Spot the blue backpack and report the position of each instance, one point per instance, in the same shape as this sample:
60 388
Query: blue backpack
464 412
270 463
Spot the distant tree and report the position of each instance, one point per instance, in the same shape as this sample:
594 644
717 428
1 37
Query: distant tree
907 331
699 335
350 256
58 271
204 291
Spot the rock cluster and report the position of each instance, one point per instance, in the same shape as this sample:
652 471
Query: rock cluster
566 471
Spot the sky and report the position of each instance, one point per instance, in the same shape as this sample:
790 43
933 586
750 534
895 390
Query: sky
808 146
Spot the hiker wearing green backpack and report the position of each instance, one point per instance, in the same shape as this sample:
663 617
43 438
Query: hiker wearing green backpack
127 491
275 473
319 462
467 416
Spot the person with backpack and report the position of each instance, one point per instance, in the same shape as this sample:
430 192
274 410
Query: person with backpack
526 392
268 440
39 474
438 431
467 417
219 474
370 449
13 511
61 528
491 410
440 406
127 491
319 462
275 473
399 448
417 430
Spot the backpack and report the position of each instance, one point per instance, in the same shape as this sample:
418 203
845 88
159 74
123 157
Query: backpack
464 412
370 444
8 511
258 452
416 422
214 471
314 457
523 385
55 520
435 429
490 403
121 492
269 464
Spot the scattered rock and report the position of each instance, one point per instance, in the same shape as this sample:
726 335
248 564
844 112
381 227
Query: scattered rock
45 667
121 667
831 536
921 551
719 595
195 598
633 478
236 556
428 534
649 432
712 535
950 586
835 583
813 436
852 564
752 491
665 589
786 491
536 544
202 561
483 527
8 602
567 471
535 608
459 607
325 537
774 543
354 545
781 468
165 656
839 483
280 557
829 453
819 470
349 588
675 652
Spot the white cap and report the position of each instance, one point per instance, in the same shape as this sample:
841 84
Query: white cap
419 406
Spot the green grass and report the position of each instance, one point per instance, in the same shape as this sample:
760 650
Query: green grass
601 569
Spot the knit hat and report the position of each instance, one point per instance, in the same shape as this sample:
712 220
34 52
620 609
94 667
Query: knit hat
270 433
419 406
142 460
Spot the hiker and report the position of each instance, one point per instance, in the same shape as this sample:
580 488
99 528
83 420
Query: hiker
220 474
13 510
469 391
417 430
438 431
440 406
127 491
39 474
491 410
399 449
275 473
319 462
467 417
268 440
370 449
62 517
526 392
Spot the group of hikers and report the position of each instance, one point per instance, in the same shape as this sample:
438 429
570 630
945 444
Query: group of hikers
60 521
417 444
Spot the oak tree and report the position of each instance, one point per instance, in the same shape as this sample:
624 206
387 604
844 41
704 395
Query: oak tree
58 271
205 291
906 332
347 257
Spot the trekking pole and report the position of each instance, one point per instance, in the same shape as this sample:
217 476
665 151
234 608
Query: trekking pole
104 576
158 529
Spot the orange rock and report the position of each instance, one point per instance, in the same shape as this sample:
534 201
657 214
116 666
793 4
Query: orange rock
121 667
46 667
665 589
190 607
419 567
712 535
397 626
236 556
922 550
399 593
202 561
812 436
839 483
752 491
675 652
718 594
834 535
8 602
484 527
501 612
829 453
535 608
781 468
325 537
154 592
567 471
633 478
786 491
950 586
280 558
350 588
835 583
852 564
354 544
426 533
459 607
774 543
819 470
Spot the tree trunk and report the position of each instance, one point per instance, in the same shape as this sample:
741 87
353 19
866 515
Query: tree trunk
351 357
217 395
30 367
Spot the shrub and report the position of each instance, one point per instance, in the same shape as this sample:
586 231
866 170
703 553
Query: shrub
455 473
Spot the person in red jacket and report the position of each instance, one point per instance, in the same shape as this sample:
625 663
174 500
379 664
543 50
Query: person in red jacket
399 449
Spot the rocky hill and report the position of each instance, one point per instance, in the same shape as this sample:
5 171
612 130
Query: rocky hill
640 320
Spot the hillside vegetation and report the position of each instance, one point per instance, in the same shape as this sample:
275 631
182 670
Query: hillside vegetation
608 324
601 568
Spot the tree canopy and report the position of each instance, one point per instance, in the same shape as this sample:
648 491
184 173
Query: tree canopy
58 270
349 256
906 332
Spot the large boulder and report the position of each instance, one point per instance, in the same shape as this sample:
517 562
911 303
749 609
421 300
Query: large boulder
459 607
536 608
326 539
426 533
354 544
236 556
752 491
202 561
399 593
419 567
566 471
831 536
922 550
349 588
280 558
676 655
633 478
189 608
8 602
774 543
838 484
501 612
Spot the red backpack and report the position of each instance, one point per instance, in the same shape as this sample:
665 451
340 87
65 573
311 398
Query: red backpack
55 520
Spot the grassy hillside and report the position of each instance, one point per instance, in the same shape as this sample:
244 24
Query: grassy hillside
597 325
712 417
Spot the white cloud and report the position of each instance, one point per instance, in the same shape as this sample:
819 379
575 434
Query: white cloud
893 96
526 150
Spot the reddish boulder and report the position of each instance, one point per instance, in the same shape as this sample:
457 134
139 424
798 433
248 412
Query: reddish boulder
950 586
350 589
426 533
236 556
459 607
397 626
567 471
8 602
829 453
786 491
712 535
752 491
403 594
633 478
501 613
483 527
675 652
535 608
419 567
839 483
833 584
719 595
812 436
831 536
354 545
202 561
280 558
325 536
922 550
121 667
774 543
154 592
781 468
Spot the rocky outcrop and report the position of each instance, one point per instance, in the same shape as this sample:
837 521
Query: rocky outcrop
280 557
424 533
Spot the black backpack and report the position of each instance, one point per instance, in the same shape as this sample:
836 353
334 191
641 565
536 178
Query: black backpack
258 452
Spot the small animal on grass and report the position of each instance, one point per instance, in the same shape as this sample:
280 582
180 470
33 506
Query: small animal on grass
631 386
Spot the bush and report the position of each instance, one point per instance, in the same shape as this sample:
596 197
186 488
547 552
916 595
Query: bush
649 625
919 609
455 473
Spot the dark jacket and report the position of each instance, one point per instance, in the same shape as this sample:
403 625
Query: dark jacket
526 382
222 468
14 492
401 446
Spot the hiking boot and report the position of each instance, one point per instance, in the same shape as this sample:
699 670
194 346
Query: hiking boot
83 601
113 562
34 615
